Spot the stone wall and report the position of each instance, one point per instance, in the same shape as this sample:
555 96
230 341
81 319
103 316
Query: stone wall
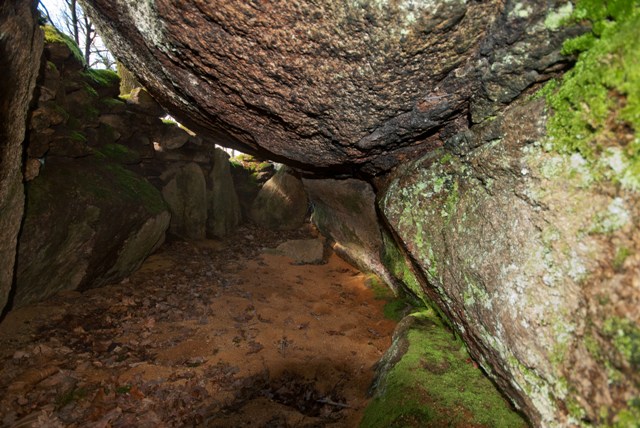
106 177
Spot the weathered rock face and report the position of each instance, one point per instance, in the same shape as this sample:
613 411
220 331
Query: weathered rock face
345 211
519 246
223 206
89 220
186 195
282 203
353 85
20 50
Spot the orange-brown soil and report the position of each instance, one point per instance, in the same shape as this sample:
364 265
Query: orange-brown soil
213 334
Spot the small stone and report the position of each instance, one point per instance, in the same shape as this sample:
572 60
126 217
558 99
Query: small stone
19 355
302 251
43 350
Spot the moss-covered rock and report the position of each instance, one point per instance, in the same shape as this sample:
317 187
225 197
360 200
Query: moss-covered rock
118 152
596 105
54 37
529 242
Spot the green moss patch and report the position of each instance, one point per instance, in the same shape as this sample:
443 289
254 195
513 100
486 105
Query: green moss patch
596 106
112 102
630 416
396 308
119 153
90 90
165 121
103 183
436 384
398 267
626 339
51 35
250 163
621 256
103 78
134 187
78 136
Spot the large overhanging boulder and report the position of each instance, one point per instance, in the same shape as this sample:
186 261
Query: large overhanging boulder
357 86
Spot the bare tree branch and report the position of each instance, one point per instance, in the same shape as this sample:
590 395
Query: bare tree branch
79 27
46 11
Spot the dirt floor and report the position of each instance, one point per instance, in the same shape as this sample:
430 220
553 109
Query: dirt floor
216 334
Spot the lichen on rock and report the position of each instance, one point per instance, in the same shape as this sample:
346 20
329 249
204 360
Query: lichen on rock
513 243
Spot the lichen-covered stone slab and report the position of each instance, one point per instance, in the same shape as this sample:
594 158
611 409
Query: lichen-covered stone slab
534 261
352 85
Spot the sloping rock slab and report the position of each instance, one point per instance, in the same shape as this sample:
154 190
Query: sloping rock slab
87 223
535 261
345 211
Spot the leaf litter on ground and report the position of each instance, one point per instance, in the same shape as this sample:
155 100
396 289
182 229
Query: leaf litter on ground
209 333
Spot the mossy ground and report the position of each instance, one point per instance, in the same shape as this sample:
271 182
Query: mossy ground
437 384
112 102
596 106
395 307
